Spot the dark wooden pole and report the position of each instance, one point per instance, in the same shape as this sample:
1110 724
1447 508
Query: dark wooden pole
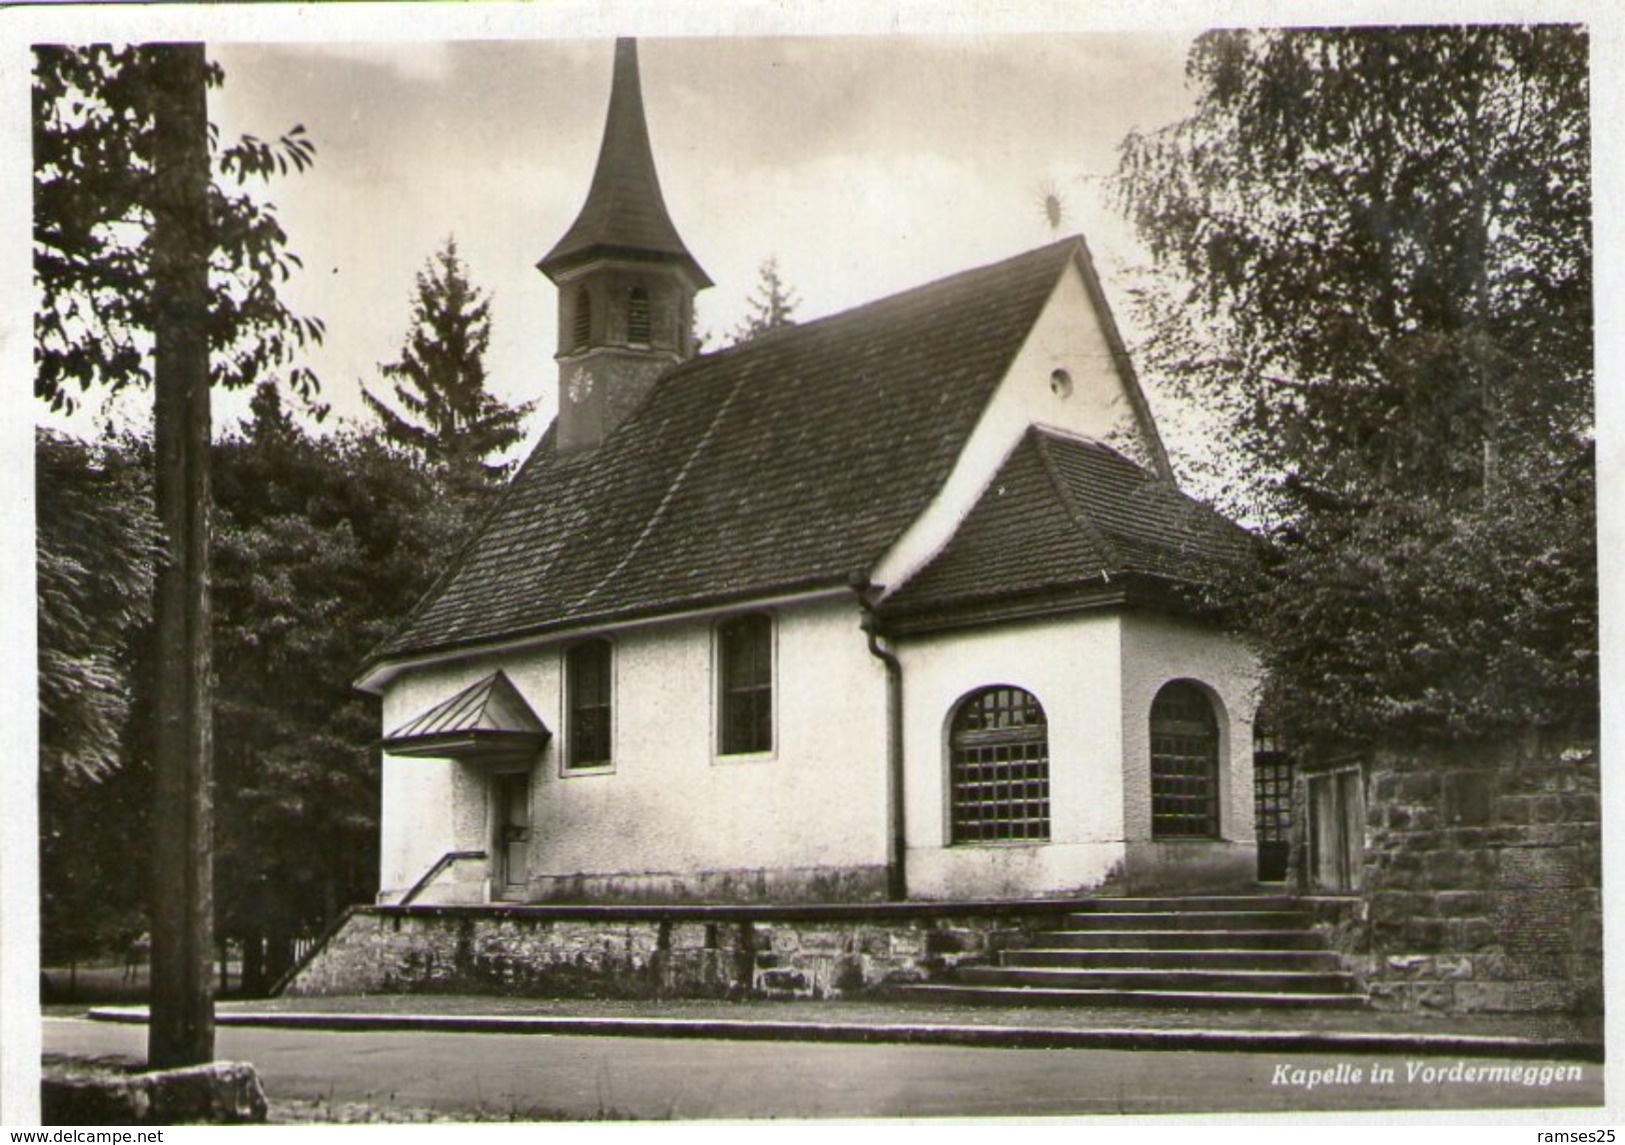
182 1025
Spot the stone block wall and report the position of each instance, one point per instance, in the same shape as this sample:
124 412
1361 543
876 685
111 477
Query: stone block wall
1481 888
609 952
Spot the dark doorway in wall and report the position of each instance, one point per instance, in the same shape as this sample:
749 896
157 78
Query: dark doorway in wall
1272 804
511 799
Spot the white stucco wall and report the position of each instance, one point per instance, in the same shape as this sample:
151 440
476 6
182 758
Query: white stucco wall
669 807
1069 336
432 806
415 820
1072 665
1095 673
1157 650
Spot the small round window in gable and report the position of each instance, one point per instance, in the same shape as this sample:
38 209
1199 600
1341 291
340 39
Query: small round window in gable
1060 384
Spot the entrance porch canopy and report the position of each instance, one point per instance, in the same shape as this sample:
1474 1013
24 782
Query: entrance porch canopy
485 720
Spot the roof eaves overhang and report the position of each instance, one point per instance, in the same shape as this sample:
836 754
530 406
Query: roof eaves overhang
1122 590
562 269
469 745
379 672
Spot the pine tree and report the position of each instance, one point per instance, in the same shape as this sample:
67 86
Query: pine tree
773 305
322 544
442 411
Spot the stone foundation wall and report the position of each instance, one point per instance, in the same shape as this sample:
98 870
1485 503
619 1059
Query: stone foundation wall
1482 882
627 953
857 883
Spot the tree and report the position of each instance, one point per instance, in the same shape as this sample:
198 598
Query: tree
95 547
149 272
93 135
773 305
442 411
180 1030
322 545
1373 259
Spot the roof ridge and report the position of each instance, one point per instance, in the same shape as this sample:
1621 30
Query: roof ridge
1189 502
1071 437
1193 510
450 711
1069 501
810 461
778 335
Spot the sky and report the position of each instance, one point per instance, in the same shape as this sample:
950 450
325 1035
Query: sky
864 164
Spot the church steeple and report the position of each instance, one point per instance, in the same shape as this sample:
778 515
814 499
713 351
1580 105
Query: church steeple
626 281
624 214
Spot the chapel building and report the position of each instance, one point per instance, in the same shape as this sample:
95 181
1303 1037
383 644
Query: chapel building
901 603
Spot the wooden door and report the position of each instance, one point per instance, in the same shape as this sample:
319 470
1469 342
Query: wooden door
511 847
1336 831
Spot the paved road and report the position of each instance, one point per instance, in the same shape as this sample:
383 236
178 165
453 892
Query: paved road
528 1076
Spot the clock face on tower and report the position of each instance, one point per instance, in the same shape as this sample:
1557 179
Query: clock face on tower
579 387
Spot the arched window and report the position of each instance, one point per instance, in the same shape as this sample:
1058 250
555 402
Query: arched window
582 329
1184 764
588 683
638 321
998 748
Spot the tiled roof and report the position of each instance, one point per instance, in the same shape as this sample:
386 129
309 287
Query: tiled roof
490 713
625 213
1064 512
790 462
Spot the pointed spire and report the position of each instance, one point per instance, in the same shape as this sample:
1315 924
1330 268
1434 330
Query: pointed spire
624 214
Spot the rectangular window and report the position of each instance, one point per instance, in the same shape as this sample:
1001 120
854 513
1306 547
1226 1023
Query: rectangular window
587 680
745 662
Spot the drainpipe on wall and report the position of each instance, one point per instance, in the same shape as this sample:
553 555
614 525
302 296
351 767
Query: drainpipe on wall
897 840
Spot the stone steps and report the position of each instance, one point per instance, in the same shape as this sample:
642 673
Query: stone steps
1188 920
1204 959
1161 978
1188 1000
1196 904
1301 939
1231 951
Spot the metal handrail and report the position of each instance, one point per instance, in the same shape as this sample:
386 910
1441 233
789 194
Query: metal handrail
435 872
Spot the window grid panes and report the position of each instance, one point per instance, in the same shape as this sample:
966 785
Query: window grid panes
999 765
1272 802
1272 796
587 671
1184 764
745 652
